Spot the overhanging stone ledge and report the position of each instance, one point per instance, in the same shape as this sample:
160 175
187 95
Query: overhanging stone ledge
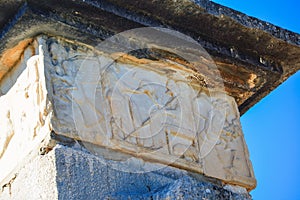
253 56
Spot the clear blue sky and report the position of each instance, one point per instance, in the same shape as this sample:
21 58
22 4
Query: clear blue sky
272 127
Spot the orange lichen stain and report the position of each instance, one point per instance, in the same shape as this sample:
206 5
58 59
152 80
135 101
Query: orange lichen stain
166 67
2 73
181 135
251 80
148 93
12 56
228 134
132 91
129 59
125 58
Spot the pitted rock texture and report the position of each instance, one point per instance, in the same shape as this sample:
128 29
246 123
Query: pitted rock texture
25 111
70 173
189 188
34 180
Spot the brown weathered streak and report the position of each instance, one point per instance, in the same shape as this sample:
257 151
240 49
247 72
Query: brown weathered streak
11 56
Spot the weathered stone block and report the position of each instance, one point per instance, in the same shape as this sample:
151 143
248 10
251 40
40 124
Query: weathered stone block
25 111
149 109
70 173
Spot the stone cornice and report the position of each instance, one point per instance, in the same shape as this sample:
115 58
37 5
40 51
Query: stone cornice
245 49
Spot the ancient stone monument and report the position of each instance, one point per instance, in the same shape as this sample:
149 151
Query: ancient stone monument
106 99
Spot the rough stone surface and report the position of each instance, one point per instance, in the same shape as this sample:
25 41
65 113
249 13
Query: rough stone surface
36 179
70 173
25 111
189 188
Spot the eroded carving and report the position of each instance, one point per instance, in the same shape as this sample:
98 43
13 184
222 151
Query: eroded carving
148 110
